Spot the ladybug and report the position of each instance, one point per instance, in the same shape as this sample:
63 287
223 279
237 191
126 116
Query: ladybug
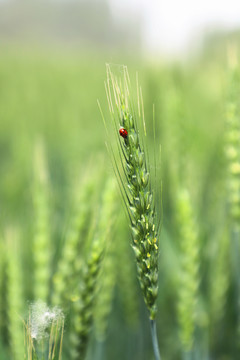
123 132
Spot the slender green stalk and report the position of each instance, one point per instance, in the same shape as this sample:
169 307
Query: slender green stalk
155 339
3 293
14 295
41 239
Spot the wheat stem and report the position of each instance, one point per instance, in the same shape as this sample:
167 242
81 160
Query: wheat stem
41 239
155 339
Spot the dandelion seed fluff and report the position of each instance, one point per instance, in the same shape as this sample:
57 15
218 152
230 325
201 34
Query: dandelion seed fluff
42 318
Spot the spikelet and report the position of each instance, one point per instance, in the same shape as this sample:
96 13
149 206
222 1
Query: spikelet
188 276
136 185
14 296
84 299
75 236
41 239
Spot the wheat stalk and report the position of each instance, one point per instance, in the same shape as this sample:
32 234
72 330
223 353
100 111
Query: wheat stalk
136 188
41 238
14 294
3 291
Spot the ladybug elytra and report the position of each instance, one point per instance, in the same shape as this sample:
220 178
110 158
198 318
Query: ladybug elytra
123 132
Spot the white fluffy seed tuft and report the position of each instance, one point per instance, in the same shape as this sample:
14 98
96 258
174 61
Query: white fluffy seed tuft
42 318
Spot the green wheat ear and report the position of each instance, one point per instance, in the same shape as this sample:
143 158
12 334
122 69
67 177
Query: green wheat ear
189 277
133 172
136 186
105 291
233 171
83 303
232 147
62 286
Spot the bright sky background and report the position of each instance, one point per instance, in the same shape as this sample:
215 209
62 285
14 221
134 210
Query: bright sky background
170 26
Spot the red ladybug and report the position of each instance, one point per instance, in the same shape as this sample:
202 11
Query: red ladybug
123 132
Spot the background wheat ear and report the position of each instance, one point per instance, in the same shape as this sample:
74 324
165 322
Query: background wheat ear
189 271
83 302
232 152
74 240
133 173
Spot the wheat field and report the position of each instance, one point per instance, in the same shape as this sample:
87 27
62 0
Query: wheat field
72 284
